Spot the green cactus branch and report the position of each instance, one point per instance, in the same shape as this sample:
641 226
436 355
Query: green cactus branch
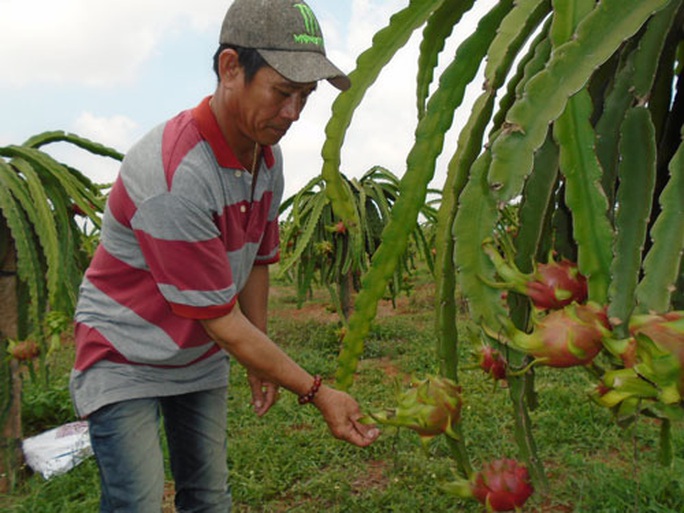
545 96
420 169
369 64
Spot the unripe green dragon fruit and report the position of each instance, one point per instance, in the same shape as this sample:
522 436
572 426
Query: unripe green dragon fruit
665 362
429 407
501 485
550 286
655 379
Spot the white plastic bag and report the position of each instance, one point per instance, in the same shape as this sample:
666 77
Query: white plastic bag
58 450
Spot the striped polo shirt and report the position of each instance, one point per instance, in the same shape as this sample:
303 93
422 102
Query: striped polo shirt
180 234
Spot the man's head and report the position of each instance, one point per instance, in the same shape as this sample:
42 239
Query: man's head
287 36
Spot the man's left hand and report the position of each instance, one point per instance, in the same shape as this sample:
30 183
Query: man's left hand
264 394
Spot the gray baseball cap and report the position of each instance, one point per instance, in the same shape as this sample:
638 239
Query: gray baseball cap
286 34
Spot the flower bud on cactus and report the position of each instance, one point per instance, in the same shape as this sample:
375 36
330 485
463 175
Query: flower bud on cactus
430 407
550 286
501 485
325 248
492 362
338 228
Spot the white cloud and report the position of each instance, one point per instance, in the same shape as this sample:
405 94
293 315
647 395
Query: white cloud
91 42
118 132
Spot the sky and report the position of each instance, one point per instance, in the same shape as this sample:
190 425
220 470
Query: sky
111 71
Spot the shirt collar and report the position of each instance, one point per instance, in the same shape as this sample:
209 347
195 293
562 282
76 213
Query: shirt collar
211 132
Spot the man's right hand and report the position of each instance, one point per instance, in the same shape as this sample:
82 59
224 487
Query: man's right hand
342 414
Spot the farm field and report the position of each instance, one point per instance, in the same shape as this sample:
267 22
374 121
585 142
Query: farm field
287 462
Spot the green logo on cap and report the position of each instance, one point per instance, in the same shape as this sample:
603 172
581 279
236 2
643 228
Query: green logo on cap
310 25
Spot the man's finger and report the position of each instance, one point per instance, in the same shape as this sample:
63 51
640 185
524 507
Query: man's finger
369 432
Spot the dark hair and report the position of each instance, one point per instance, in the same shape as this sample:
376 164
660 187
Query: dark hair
249 59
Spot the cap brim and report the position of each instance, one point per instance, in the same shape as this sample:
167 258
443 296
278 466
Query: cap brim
305 67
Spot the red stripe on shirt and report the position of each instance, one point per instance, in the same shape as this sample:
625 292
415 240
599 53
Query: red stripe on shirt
136 290
199 265
180 137
120 203
205 312
93 347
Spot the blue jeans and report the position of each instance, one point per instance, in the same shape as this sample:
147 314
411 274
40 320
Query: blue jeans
126 441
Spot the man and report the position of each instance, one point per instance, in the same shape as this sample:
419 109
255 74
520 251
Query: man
180 279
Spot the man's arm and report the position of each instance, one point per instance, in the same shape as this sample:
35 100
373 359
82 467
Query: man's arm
250 346
253 298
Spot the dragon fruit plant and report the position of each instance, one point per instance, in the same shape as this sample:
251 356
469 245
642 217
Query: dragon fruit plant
501 485
550 286
563 338
429 407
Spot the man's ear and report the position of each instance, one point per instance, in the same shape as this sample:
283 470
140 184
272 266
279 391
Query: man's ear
229 65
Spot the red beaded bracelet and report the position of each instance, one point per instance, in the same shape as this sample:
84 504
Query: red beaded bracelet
309 396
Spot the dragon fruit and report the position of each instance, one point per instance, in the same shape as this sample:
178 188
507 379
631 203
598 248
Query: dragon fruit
431 407
550 286
654 380
23 350
501 485
563 338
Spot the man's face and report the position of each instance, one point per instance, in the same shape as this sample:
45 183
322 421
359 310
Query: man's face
269 105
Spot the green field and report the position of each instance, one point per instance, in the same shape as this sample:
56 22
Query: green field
287 461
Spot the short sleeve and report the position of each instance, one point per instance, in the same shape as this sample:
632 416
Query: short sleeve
184 252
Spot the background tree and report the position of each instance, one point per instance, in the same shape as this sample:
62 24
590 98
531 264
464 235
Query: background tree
578 126
44 250
317 246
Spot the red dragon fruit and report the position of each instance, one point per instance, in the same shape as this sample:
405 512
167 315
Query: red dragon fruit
23 350
563 338
501 485
493 363
430 407
556 285
550 286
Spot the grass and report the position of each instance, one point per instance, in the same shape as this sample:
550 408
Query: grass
287 461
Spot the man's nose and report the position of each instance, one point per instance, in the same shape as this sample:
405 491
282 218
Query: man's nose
293 107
